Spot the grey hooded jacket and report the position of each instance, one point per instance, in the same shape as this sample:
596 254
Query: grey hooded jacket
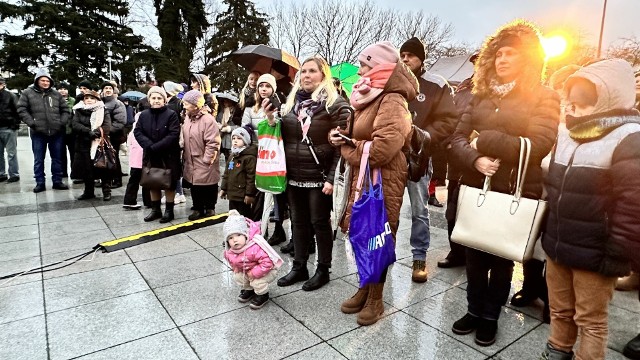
45 111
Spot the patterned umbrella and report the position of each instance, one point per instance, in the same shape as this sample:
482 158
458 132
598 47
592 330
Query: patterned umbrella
348 75
260 58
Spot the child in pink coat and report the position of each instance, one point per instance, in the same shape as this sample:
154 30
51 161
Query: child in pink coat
135 166
254 263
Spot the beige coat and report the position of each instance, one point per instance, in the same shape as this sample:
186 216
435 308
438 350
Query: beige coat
201 137
386 122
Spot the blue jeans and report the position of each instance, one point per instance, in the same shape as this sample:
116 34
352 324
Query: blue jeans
419 197
9 141
39 143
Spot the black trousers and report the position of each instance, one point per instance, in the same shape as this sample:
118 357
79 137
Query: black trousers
258 205
311 205
204 197
131 193
486 294
241 207
453 190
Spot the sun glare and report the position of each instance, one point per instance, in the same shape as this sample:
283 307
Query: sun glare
554 46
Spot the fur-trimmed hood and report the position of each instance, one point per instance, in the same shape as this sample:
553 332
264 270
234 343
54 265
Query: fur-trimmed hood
203 81
531 49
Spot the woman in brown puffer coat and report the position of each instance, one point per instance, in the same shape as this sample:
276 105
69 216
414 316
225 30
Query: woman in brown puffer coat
382 117
508 102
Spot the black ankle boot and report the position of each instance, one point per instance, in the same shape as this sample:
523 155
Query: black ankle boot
279 235
106 193
288 249
168 213
298 273
319 279
155 213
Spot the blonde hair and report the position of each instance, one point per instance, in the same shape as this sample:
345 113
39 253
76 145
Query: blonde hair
246 85
325 87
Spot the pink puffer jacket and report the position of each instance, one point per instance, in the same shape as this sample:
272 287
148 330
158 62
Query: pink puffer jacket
254 261
135 150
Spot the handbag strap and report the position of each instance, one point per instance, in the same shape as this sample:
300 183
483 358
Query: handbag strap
364 165
523 164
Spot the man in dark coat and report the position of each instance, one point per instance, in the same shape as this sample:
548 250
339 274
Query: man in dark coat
46 113
9 124
435 112
118 114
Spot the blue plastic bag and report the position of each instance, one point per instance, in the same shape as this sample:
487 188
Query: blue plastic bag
370 232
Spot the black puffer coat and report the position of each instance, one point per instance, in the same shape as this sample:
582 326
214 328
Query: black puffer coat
82 166
301 166
500 122
8 110
44 111
158 133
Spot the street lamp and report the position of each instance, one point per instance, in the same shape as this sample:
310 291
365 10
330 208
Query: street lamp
109 53
604 11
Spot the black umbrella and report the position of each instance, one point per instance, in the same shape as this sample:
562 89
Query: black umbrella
260 58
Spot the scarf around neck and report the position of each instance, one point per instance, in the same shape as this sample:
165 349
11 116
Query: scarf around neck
595 126
97 117
501 90
305 108
371 85
236 151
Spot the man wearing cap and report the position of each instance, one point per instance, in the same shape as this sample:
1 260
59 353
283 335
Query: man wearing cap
84 87
68 138
434 112
46 113
118 113
9 124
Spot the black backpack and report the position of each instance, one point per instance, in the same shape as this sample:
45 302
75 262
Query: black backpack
418 153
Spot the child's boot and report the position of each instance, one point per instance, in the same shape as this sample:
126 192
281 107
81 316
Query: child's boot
259 301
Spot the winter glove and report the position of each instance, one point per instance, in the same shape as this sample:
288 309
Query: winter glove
95 134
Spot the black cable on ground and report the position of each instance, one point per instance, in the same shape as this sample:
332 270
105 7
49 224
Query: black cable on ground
41 269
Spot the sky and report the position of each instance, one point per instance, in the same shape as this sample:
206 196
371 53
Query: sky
474 20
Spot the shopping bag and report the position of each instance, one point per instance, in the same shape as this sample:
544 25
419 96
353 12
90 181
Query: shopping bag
369 229
271 167
504 225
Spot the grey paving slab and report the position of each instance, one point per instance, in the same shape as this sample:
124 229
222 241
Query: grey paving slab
123 231
15 199
340 264
171 245
89 328
201 298
627 300
442 310
624 325
74 226
318 352
24 340
16 233
319 310
268 333
19 249
400 291
92 286
399 336
94 261
21 302
453 276
19 265
177 268
211 236
68 215
18 220
167 345
78 243
124 218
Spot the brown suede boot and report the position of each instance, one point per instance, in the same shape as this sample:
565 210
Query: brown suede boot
355 303
374 307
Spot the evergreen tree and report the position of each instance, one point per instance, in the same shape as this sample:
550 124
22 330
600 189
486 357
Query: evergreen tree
240 25
180 24
69 38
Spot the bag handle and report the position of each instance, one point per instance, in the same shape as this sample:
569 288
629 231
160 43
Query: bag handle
364 164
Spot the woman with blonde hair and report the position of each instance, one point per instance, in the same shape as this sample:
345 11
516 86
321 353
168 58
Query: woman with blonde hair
247 99
311 111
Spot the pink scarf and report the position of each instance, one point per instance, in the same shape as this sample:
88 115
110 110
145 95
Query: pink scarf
371 85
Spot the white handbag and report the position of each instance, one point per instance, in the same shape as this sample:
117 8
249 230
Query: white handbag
504 225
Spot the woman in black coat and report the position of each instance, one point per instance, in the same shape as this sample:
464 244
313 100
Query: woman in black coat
508 102
89 117
158 133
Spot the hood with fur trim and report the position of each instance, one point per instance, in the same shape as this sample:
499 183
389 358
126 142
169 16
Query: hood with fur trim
531 49
203 81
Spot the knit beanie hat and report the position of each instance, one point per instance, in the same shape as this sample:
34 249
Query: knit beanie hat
172 88
244 134
414 46
269 79
105 84
61 85
379 53
157 90
194 97
235 224
85 83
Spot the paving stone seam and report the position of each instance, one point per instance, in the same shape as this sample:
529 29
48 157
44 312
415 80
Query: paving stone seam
126 342
15 241
44 296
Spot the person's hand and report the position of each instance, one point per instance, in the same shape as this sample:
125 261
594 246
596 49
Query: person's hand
474 144
222 195
268 110
95 134
249 200
213 158
486 165
327 189
334 138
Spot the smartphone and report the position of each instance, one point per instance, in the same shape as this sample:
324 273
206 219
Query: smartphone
347 140
274 102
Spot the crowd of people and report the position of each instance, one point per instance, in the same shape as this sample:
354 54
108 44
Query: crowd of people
583 126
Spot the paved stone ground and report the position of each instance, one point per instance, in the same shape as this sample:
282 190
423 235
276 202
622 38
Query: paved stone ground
174 298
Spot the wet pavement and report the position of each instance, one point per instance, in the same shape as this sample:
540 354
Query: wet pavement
175 299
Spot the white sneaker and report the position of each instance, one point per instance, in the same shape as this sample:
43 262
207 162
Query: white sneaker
163 200
180 199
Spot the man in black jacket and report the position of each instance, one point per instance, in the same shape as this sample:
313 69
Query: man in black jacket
9 123
46 113
434 112
118 113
